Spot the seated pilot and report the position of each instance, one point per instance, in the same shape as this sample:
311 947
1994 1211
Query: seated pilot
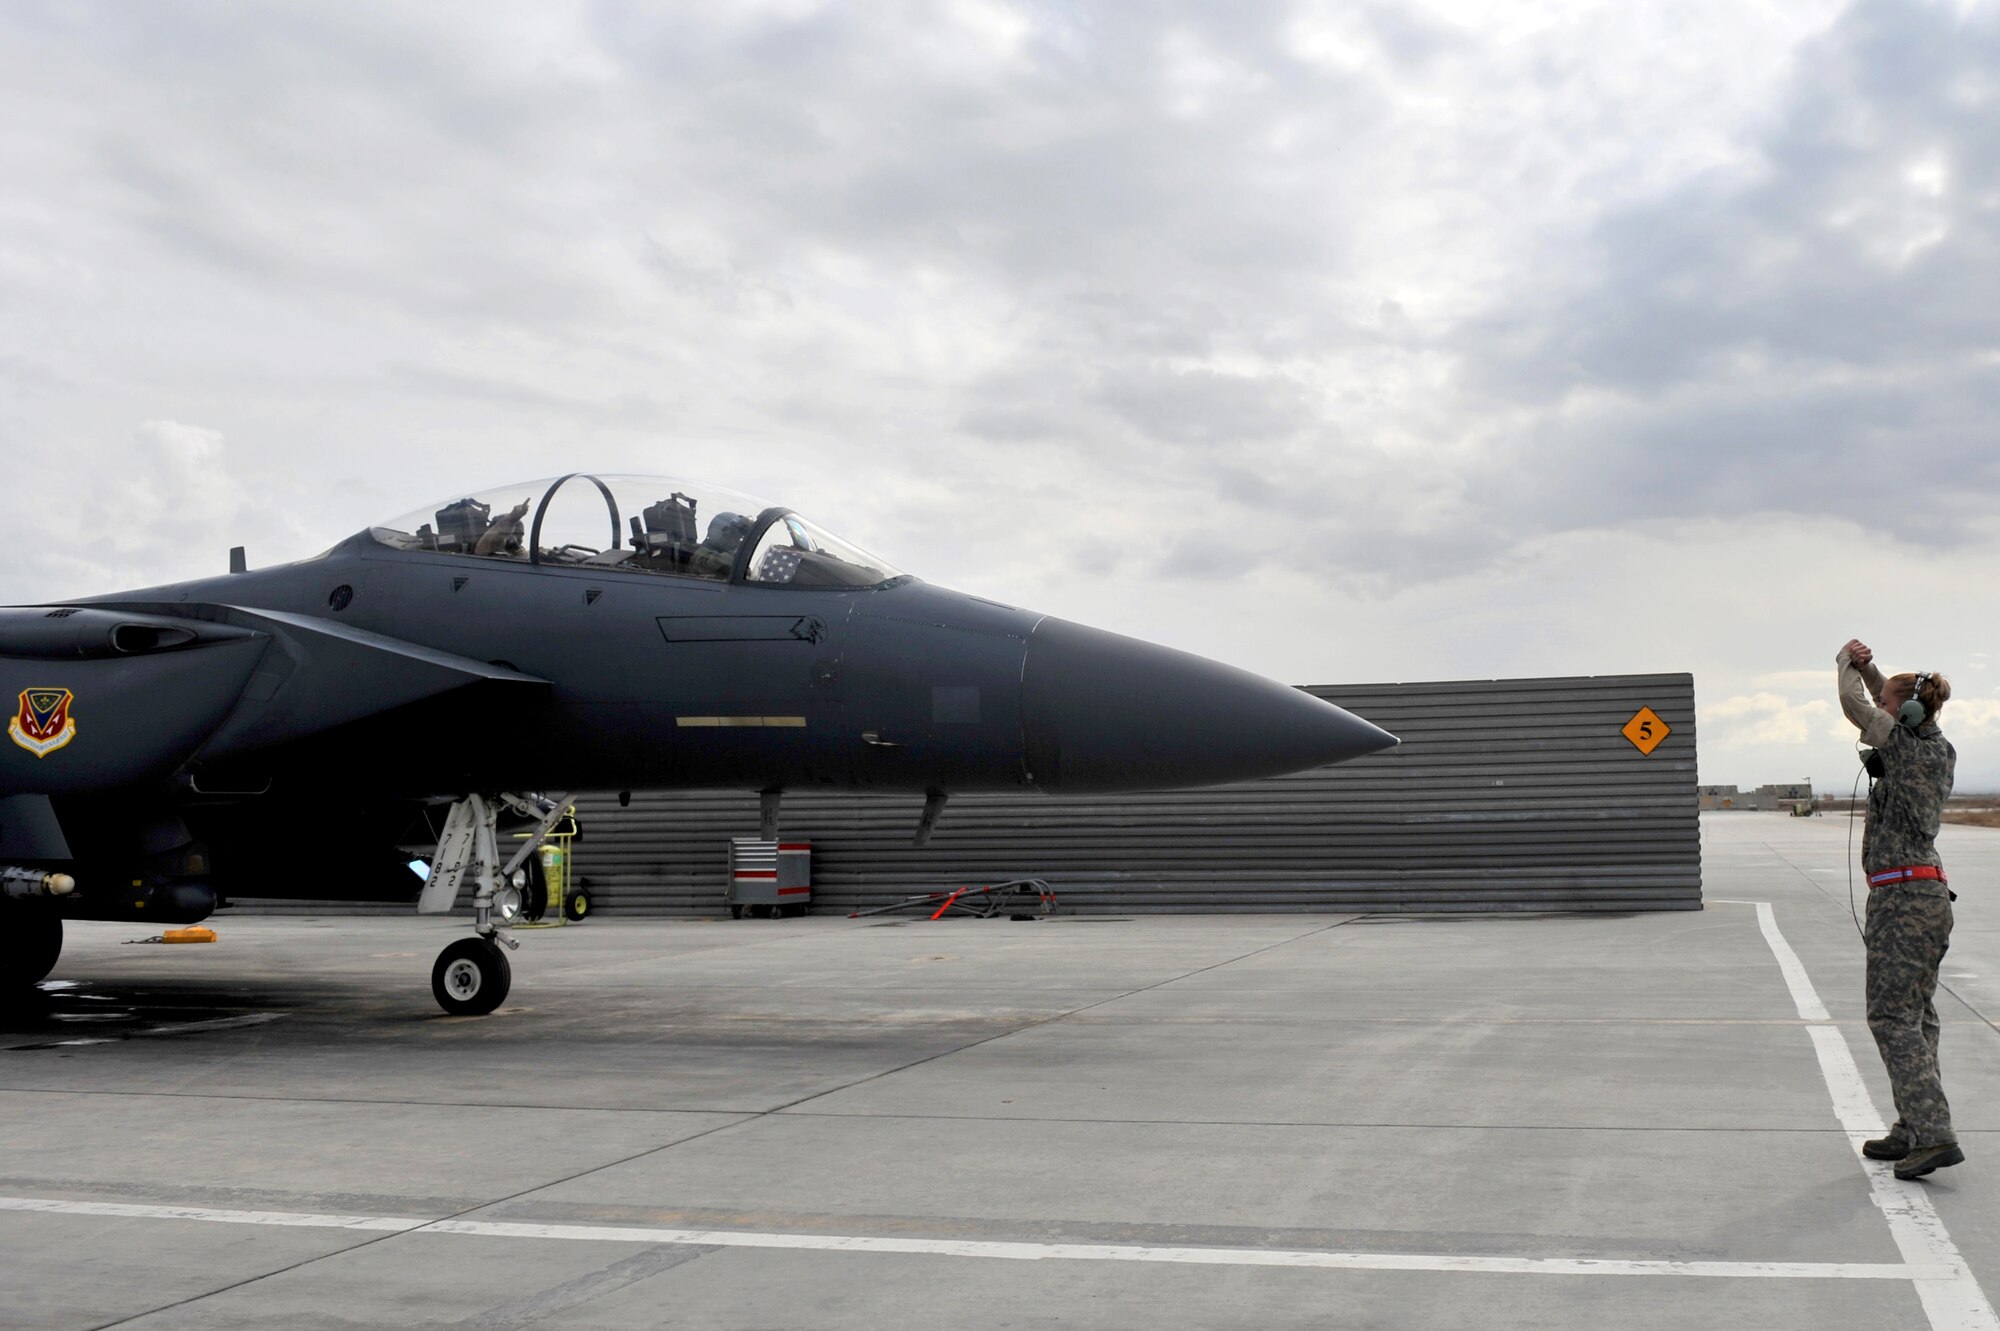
503 535
715 557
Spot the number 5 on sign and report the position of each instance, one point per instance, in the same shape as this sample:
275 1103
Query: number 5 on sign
1646 730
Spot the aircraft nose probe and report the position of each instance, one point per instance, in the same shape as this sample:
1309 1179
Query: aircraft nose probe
1105 712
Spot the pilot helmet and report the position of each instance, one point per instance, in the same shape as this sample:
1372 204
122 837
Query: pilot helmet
727 530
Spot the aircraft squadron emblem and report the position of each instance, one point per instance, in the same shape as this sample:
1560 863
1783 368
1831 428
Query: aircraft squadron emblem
43 724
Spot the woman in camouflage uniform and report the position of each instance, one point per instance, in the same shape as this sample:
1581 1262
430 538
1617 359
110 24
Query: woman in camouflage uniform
1909 902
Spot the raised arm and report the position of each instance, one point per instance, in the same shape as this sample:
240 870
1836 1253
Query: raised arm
1861 690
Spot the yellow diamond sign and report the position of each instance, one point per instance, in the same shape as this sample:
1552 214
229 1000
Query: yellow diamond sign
1646 730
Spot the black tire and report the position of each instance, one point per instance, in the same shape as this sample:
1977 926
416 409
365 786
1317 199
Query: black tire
576 905
735 912
535 892
471 977
31 938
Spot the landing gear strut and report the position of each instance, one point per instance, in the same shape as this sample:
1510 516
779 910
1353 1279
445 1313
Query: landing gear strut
472 976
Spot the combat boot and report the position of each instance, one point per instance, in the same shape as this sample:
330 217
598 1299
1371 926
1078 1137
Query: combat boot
1894 1146
1923 1159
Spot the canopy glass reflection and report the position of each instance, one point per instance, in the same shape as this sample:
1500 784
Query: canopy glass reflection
640 524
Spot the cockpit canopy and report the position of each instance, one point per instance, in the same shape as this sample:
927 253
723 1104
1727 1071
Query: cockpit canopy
639 524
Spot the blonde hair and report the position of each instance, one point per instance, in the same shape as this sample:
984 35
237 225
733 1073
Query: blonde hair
1935 693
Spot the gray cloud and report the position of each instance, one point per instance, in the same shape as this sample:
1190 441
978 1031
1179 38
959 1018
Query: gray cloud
1815 335
1203 408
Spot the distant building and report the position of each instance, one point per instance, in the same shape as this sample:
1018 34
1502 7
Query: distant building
1782 795
1717 797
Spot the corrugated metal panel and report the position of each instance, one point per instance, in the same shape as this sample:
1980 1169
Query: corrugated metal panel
1506 795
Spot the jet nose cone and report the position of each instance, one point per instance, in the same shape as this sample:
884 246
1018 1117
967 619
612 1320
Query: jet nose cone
1104 712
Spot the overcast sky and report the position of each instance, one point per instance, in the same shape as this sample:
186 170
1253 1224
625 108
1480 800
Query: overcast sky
1343 341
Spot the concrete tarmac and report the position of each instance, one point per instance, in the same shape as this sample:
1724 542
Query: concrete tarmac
1195 1121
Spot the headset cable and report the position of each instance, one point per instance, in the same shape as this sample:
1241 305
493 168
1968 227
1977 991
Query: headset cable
1852 797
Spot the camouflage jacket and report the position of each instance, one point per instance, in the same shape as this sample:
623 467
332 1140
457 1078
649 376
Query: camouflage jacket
1918 765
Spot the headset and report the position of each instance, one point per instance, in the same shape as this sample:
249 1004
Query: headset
1911 714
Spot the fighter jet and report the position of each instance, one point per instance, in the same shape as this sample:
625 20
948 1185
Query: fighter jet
356 725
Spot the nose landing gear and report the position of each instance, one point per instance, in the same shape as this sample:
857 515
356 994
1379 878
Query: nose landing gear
472 976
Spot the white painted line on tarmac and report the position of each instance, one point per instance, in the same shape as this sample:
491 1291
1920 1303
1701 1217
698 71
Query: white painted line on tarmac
1804 996
973 1248
1954 1302
134 1211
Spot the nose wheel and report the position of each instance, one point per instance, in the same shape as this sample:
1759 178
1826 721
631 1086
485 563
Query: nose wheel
471 977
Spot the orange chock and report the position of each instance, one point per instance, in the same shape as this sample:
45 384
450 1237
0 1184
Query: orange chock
195 934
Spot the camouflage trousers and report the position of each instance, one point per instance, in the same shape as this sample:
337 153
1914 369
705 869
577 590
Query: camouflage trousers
1909 928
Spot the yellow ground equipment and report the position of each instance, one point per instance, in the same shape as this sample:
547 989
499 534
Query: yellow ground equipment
552 897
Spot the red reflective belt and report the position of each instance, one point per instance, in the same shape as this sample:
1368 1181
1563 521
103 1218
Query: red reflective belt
1905 875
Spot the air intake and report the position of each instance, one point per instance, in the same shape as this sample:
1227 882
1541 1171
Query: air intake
135 639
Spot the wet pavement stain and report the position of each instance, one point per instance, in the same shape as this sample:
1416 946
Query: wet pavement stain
65 1014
